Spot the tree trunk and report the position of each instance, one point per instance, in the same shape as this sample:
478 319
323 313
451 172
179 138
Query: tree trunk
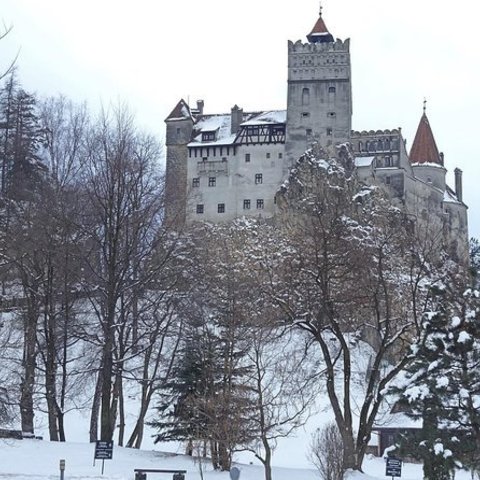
96 408
29 365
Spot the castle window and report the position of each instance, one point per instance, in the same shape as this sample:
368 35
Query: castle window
268 154
224 159
221 208
332 89
258 178
305 114
388 161
360 146
329 132
305 96
331 114
308 131
371 147
204 159
212 181
387 180
380 145
246 204
387 144
208 136
260 203
196 182
199 208
280 155
179 132
247 158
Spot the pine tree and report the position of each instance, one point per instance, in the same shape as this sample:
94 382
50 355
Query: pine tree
442 386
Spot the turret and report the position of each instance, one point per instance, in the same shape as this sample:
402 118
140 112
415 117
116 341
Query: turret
179 133
426 160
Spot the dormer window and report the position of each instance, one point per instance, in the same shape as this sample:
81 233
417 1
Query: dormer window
208 136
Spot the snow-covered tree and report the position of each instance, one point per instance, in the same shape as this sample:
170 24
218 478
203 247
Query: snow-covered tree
345 264
441 385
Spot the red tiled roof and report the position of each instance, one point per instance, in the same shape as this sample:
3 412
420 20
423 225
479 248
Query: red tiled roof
424 149
319 27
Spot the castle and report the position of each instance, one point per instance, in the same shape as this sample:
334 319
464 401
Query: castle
224 166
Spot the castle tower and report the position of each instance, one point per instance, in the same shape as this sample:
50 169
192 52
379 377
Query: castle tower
319 98
179 132
425 158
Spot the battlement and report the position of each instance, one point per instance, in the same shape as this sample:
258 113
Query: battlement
377 133
327 47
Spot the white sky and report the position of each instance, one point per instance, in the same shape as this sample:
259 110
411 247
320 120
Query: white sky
151 53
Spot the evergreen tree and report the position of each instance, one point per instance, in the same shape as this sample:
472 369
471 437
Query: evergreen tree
442 386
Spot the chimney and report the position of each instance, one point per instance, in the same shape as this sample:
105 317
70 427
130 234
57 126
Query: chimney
236 118
458 184
200 105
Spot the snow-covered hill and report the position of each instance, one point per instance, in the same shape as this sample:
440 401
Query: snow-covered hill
39 460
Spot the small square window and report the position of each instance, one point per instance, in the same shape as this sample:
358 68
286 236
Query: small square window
329 132
247 158
246 204
199 208
308 131
280 155
305 114
387 180
196 182
268 154
332 114
204 159
259 203
221 208
331 89
212 181
258 178
224 159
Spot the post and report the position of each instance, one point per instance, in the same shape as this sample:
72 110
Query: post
62 469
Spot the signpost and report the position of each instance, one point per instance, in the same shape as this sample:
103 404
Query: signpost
394 467
103 451
62 469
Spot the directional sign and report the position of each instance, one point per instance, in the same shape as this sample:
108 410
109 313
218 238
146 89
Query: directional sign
103 450
394 467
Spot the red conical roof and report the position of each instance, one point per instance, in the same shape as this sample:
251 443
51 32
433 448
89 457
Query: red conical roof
424 148
320 32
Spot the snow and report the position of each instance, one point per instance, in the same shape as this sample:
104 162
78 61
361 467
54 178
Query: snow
271 117
449 197
213 123
363 161
39 460
464 337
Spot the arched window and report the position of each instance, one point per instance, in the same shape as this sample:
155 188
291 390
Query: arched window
331 89
360 146
380 145
387 144
305 96
371 147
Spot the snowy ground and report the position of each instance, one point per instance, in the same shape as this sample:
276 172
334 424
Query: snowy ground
39 460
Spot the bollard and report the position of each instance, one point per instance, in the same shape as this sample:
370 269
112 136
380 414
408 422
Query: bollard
62 469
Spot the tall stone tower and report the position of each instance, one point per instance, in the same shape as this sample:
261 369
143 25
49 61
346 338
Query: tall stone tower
319 99
179 132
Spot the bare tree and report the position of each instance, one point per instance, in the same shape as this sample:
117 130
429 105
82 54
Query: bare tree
348 267
123 207
326 452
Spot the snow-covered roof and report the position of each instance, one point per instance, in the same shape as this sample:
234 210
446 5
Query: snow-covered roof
449 196
221 124
272 117
364 161
428 164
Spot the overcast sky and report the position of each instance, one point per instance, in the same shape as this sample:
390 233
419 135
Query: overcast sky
151 53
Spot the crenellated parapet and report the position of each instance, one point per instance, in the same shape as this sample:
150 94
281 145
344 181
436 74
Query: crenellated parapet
337 46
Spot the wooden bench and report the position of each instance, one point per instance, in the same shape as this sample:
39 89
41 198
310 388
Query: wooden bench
141 473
